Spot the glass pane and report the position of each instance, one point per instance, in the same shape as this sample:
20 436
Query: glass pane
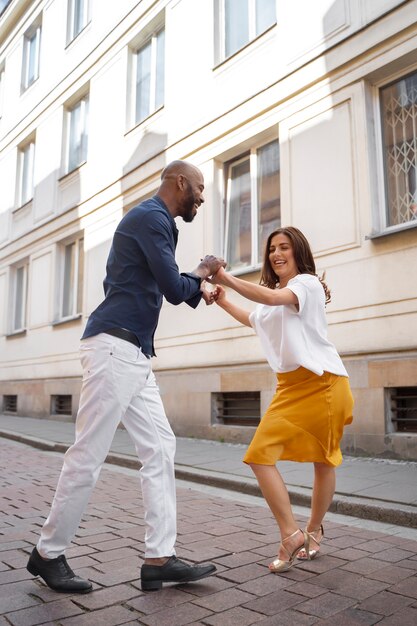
80 282
160 70
239 247
32 58
265 15
78 138
269 193
68 283
78 18
143 82
27 173
399 125
236 25
18 322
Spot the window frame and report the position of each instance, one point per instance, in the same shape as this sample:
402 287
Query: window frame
34 33
72 33
380 207
251 154
152 39
26 169
76 289
252 34
84 102
17 329
2 79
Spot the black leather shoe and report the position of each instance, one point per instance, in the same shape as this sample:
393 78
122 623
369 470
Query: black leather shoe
173 571
57 574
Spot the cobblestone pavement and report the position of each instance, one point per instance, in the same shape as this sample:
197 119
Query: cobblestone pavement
362 577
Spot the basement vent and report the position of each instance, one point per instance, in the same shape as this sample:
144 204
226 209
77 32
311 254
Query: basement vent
237 408
10 404
403 409
61 405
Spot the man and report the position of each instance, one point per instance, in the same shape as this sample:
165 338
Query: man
118 385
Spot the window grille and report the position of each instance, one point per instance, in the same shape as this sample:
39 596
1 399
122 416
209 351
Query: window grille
61 405
237 408
399 120
10 404
403 409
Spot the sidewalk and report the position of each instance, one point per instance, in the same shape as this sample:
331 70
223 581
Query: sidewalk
375 489
362 577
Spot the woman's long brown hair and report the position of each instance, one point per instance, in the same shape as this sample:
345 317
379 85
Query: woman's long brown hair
302 255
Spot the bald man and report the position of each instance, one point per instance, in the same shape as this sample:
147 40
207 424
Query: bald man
118 385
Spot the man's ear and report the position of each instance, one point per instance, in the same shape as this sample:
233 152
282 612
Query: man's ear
181 181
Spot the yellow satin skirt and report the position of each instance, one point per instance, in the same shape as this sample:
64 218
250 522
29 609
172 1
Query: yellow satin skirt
304 421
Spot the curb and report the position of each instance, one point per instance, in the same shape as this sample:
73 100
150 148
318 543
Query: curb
364 508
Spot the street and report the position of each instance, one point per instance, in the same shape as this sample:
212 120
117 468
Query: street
361 577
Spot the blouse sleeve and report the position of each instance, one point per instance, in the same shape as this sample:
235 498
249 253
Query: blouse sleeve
300 287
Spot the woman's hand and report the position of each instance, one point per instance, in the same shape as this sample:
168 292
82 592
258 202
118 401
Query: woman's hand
219 295
208 295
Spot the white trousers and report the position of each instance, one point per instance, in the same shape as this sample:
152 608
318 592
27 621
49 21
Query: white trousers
118 385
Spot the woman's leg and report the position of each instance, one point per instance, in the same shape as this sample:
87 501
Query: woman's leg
276 495
323 491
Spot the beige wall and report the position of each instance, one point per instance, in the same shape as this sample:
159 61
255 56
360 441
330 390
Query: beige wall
312 83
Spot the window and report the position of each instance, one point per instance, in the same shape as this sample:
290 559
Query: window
2 75
237 408
31 55
71 279
10 404
26 161
19 297
150 76
399 123
243 21
253 207
77 134
403 409
77 17
61 405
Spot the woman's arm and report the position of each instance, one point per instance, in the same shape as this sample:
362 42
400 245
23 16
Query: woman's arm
256 293
239 314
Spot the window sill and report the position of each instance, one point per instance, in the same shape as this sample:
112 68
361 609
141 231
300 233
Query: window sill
148 118
22 207
16 333
67 320
234 54
392 230
71 174
250 269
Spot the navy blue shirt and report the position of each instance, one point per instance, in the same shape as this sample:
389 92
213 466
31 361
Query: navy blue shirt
140 270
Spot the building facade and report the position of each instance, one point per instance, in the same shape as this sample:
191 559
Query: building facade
300 113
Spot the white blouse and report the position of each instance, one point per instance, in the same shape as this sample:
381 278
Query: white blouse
293 338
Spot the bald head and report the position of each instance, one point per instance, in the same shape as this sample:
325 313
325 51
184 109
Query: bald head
176 168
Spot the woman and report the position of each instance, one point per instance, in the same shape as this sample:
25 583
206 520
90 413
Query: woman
313 401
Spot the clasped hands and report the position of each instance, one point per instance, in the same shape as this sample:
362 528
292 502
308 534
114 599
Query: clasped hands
211 270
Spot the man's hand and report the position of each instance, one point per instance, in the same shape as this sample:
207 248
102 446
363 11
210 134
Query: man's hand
209 266
208 296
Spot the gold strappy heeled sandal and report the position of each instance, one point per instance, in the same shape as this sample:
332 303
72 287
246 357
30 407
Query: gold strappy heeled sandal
278 565
312 554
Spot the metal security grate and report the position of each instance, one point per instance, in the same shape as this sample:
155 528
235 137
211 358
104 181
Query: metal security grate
404 409
237 408
61 405
10 404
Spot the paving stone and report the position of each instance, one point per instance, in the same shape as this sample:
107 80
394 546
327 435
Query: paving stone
291 617
47 612
112 616
154 602
385 603
274 603
352 617
349 584
245 573
266 585
406 617
406 587
107 597
326 605
16 602
176 616
237 616
223 600
393 574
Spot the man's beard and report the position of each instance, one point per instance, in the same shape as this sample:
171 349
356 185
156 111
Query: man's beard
189 203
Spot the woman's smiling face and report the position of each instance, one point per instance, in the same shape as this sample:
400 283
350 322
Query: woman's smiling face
281 258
